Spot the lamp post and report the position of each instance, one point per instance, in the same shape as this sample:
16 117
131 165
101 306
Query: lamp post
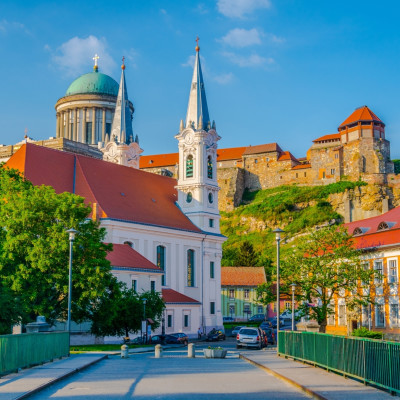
293 285
144 318
72 232
277 232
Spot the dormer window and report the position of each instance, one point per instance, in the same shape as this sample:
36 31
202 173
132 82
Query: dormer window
385 225
357 231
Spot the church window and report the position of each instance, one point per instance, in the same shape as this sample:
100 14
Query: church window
212 307
189 197
211 223
169 321
190 268
209 167
189 167
212 270
210 198
134 285
108 128
88 132
153 286
161 262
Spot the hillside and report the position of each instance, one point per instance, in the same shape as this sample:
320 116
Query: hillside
292 208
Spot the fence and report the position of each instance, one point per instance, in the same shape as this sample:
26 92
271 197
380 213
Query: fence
21 351
372 361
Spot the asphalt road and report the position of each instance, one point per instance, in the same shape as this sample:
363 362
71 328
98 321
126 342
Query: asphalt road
173 377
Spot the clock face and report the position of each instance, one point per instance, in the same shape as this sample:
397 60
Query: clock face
189 138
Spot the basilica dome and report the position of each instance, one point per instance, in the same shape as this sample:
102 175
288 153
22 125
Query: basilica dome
93 83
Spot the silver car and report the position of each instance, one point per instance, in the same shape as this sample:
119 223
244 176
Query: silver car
236 330
249 337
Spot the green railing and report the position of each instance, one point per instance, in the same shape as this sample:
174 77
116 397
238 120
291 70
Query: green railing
372 361
27 349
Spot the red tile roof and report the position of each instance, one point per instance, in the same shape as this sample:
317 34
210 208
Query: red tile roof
123 256
171 296
242 276
159 160
262 148
377 239
120 192
333 137
286 155
302 166
233 153
360 114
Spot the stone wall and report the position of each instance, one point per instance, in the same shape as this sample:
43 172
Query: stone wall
232 184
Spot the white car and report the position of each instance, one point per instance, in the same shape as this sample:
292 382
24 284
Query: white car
287 314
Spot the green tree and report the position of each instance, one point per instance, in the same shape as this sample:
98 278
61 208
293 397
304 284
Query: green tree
123 312
246 255
34 250
10 311
324 265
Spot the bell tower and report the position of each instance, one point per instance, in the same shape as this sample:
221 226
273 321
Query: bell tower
197 180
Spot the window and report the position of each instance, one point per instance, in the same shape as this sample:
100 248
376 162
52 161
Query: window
189 197
255 161
210 198
331 316
212 307
169 321
231 293
246 293
153 286
337 155
211 223
323 175
365 316
212 272
190 267
186 321
392 271
246 310
260 310
305 174
379 315
342 314
189 167
288 305
209 168
394 315
232 309
365 267
378 267
382 226
134 285
333 171
108 128
161 262
88 132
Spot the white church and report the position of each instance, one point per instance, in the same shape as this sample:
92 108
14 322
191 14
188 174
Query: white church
165 231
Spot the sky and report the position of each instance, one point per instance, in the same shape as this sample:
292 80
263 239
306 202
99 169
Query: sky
285 71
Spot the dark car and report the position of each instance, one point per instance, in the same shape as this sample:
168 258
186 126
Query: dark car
157 339
266 324
177 338
257 318
269 333
215 335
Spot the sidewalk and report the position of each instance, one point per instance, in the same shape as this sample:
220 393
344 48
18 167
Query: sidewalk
22 384
317 382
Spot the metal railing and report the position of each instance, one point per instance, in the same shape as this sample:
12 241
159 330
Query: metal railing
372 361
27 349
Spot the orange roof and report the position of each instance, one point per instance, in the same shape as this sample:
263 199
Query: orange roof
302 166
171 296
233 153
242 276
120 192
262 148
360 114
286 155
159 160
377 239
333 137
124 257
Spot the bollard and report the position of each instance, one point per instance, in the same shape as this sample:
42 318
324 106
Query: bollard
158 351
191 350
124 351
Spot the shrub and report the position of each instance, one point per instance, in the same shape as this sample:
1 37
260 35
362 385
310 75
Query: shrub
364 332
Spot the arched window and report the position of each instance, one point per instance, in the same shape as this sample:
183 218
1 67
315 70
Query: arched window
209 167
190 267
189 166
161 262
357 231
129 244
385 225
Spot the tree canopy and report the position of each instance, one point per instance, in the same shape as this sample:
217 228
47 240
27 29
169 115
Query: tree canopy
34 251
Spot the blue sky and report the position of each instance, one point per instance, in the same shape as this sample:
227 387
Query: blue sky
285 71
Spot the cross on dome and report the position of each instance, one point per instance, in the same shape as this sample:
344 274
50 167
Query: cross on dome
123 63
197 44
95 58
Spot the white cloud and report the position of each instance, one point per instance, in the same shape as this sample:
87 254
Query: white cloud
276 39
7 26
224 79
254 60
242 37
239 8
76 55
189 62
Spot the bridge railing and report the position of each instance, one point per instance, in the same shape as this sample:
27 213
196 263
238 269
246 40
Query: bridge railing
27 349
372 361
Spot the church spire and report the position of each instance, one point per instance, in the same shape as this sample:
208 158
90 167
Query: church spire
121 129
197 112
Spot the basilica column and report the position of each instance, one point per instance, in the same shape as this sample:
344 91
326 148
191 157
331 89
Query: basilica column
68 125
94 125
75 137
103 127
58 125
84 138
62 124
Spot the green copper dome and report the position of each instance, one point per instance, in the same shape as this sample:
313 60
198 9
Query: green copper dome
94 82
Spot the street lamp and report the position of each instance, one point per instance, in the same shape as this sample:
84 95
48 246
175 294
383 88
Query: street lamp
72 232
277 232
293 285
144 318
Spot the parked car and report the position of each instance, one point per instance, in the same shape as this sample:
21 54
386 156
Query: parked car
249 337
257 318
157 339
228 319
287 315
215 335
269 333
136 340
236 330
265 324
177 338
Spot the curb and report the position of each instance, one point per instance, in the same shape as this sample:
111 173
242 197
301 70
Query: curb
310 392
58 379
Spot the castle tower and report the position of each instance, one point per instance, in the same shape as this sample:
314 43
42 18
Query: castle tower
122 148
197 179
